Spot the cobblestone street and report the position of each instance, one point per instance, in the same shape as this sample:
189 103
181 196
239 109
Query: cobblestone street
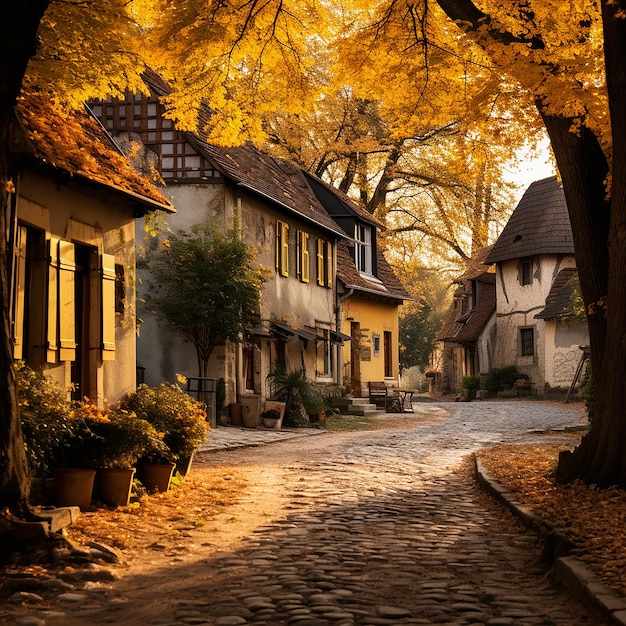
373 528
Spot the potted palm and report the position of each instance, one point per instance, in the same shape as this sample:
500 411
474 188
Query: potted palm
299 393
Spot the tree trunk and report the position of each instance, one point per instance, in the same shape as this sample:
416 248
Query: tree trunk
20 22
600 458
599 229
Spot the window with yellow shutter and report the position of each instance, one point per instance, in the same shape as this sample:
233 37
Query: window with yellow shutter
282 248
67 318
52 344
19 292
303 267
325 263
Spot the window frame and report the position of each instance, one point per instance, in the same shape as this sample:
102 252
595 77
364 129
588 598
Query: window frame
363 246
325 265
525 341
303 261
526 272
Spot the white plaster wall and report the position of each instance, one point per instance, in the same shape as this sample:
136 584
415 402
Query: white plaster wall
517 306
562 350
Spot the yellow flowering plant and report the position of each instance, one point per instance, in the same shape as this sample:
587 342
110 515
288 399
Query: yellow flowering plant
111 437
173 412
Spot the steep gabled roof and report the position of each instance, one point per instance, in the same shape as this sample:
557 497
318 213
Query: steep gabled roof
339 204
272 178
468 327
387 285
539 225
75 143
559 300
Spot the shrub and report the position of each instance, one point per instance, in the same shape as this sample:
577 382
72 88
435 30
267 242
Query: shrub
502 378
46 416
111 438
172 412
471 384
294 388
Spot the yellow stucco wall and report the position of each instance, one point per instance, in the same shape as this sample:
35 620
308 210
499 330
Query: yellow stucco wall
373 318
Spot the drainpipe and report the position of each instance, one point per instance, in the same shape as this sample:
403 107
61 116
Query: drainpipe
340 300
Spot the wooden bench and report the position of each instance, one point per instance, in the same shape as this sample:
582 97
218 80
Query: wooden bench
384 397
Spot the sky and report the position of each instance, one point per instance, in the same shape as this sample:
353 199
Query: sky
532 168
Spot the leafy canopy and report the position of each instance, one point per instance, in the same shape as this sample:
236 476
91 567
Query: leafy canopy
205 284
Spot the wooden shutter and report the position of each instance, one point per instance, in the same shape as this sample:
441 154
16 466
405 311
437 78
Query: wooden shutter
67 295
19 301
329 264
306 263
52 318
108 307
303 269
320 262
279 233
282 248
299 234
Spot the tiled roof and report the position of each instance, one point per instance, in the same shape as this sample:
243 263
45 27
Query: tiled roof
272 178
74 142
468 327
387 285
339 204
539 225
559 300
476 265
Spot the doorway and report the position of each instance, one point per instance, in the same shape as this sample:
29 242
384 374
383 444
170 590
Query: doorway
86 321
355 359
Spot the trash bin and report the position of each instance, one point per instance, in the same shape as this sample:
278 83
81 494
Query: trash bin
204 390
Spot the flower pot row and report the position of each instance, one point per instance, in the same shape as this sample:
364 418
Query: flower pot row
111 486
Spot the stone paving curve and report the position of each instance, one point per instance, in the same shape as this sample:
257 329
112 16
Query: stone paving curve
383 529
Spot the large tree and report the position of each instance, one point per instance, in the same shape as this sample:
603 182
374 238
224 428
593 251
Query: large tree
75 51
571 59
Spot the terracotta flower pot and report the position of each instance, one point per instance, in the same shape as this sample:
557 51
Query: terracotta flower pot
73 487
114 485
156 476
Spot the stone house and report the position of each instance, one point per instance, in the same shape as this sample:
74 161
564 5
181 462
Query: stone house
467 334
279 216
73 209
535 283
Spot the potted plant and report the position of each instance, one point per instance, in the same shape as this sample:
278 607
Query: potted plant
299 393
46 416
180 418
111 441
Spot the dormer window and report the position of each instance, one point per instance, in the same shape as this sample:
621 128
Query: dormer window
363 248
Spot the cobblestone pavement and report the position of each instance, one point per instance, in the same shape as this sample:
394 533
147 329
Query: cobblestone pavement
380 529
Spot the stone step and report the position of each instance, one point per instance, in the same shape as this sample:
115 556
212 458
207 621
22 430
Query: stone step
344 402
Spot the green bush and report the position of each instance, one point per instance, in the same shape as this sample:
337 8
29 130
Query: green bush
112 437
172 412
502 378
471 384
46 416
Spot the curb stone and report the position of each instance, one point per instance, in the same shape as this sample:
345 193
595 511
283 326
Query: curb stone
567 570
